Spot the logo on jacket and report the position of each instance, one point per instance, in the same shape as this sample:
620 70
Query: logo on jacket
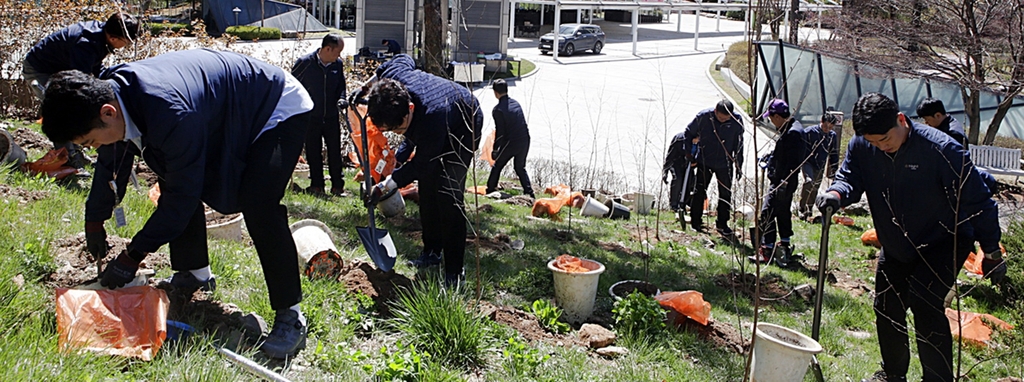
911 166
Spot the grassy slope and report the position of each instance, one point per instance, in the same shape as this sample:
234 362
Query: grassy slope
28 348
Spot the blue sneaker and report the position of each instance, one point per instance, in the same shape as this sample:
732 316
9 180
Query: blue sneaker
425 260
287 337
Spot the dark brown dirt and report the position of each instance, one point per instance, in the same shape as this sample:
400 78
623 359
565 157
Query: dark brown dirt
773 287
485 208
615 247
498 243
22 195
626 288
31 140
641 233
526 324
719 333
382 287
519 200
405 223
75 265
222 320
221 219
144 173
844 281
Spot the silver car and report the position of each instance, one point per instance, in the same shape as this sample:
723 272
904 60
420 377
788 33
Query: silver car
573 38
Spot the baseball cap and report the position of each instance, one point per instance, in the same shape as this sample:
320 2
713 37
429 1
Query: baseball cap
777 106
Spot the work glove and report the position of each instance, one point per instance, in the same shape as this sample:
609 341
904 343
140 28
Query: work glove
994 269
96 239
664 176
827 202
379 190
739 172
122 270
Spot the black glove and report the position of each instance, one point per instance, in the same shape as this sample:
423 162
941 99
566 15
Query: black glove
96 239
121 271
664 176
739 172
995 270
827 202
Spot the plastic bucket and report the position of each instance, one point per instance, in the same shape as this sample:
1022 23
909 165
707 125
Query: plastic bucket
10 152
392 206
311 237
589 192
616 210
643 202
575 292
591 207
623 288
230 230
781 354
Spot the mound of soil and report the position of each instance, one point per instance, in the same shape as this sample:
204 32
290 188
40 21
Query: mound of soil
75 265
628 287
526 324
22 195
382 287
144 173
226 322
31 140
519 200
498 243
216 219
615 247
772 286
719 333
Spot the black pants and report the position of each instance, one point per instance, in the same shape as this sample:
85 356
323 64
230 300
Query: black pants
268 168
700 192
809 191
320 133
775 213
442 211
920 285
519 150
677 190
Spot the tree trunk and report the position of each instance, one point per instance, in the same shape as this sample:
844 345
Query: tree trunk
433 38
972 107
997 119
794 24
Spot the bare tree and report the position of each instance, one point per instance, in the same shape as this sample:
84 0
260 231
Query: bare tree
433 38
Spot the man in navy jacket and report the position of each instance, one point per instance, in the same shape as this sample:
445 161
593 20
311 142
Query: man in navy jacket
323 75
512 139
216 127
934 114
677 164
822 145
783 176
929 204
721 152
442 120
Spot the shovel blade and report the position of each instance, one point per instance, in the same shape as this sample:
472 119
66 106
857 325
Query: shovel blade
379 246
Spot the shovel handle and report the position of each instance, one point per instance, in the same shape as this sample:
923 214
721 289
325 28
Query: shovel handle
819 295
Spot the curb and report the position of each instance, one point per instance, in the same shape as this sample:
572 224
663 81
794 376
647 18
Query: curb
746 118
532 72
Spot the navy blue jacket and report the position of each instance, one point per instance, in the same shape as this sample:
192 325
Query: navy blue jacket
325 84
81 46
198 112
509 123
721 144
393 46
788 156
918 194
955 129
446 118
822 147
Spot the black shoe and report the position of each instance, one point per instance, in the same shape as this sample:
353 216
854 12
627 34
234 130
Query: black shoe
287 336
783 255
726 232
426 260
699 228
315 191
454 280
185 280
764 254
339 192
880 376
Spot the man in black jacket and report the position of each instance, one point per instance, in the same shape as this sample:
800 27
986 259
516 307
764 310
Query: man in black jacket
934 114
81 46
822 146
721 152
783 176
681 169
322 73
216 127
929 204
442 119
512 139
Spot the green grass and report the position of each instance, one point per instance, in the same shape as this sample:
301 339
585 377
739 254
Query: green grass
347 334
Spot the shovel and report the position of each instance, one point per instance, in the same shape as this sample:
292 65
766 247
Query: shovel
377 242
819 295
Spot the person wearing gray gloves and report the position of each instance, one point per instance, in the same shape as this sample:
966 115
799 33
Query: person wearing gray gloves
929 205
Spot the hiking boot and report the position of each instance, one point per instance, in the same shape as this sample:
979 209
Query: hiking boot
784 254
425 260
454 280
764 254
185 280
287 336
880 376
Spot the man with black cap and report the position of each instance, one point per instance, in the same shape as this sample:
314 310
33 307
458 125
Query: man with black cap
783 168
721 153
822 146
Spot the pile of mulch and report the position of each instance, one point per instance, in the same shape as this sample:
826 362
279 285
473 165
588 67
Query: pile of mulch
526 324
75 265
22 195
773 287
29 139
383 287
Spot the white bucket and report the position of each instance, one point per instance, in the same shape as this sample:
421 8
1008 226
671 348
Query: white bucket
230 230
311 237
392 205
301 171
591 207
575 292
781 354
644 202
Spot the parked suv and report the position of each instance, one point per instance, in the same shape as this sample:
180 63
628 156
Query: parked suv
573 38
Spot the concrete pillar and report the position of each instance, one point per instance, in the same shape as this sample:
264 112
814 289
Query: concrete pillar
542 14
635 22
579 16
696 25
558 21
679 20
337 14
512 21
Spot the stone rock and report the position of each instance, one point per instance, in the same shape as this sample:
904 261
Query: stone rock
805 291
596 336
612 351
858 209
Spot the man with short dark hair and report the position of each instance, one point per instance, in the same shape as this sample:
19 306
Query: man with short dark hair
512 139
81 46
216 127
442 119
934 114
721 153
822 146
783 168
322 73
928 204
393 46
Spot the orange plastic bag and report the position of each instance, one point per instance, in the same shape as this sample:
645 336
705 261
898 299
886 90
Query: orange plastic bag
547 207
487 153
570 264
688 303
559 190
129 322
382 157
974 327
479 190
844 220
411 193
870 237
973 263
154 194
52 164
576 200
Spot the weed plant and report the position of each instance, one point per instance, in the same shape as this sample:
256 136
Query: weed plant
548 316
638 315
440 320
